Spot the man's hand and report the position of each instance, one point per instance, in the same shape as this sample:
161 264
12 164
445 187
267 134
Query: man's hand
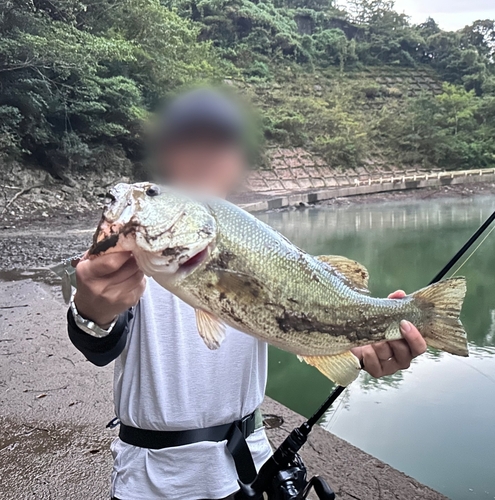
108 286
386 358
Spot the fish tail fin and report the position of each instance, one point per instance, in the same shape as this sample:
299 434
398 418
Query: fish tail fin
441 304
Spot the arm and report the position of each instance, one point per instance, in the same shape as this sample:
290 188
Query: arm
100 351
108 286
386 358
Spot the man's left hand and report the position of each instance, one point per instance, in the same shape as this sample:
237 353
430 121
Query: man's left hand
386 358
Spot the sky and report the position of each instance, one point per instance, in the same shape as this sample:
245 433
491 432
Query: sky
449 14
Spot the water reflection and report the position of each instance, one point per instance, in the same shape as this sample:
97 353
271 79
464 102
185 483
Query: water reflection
434 421
43 275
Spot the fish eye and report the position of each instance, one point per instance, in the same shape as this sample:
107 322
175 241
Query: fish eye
153 191
109 198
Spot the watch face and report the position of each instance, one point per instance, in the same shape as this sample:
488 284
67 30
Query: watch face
93 329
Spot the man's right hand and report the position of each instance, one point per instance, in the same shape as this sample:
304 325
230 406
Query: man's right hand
108 286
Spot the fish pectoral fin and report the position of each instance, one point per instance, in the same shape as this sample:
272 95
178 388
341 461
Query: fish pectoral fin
211 329
355 272
232 280
340 368
239 284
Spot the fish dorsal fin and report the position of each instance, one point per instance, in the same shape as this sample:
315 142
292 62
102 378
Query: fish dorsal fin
342 369
355 272
211 329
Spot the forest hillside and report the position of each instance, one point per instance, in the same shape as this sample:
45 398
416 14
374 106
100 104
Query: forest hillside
80 78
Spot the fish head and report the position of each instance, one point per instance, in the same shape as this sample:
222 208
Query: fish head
168 232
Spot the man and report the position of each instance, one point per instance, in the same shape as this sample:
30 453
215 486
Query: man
165 378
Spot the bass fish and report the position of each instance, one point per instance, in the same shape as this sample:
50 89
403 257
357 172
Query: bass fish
235 270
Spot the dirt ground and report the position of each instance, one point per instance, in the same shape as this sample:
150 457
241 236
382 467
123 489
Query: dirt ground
53 441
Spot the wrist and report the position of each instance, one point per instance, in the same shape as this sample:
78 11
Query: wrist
103 321
89 326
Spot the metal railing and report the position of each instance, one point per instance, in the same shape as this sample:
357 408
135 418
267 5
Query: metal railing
393 178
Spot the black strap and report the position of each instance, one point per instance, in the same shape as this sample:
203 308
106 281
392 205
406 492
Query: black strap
235 433
243 460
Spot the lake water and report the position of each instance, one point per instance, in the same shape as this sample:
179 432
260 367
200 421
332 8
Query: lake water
435 421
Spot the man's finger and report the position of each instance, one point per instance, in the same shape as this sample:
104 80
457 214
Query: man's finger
122 274
402 353
140 288
416 342
136 281
390 367
371 362
399 294
104 265
383 351
127 285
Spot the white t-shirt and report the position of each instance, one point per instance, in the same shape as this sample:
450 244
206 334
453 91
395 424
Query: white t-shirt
167 379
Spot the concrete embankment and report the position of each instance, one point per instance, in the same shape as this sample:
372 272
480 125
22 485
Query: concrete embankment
53 441
358 185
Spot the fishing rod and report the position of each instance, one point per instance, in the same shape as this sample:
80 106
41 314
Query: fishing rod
464 249
283 476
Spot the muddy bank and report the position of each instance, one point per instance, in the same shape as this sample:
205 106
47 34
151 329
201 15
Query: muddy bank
36 250
44 378
41 460
53 440
30 194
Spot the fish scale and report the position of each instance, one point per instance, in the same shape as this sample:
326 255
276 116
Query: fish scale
287 272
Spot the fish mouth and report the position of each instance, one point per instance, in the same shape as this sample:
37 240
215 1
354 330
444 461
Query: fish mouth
195 260
104 244
108 235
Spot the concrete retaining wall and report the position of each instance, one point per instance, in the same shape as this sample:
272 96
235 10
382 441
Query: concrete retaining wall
350 185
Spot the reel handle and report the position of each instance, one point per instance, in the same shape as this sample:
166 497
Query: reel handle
321 487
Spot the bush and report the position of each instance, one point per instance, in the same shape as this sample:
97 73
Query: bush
258 70
372 91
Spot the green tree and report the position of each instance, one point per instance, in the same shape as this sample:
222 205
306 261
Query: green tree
78 76
457 59
457 107
453 130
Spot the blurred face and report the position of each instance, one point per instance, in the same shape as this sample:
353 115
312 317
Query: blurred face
203 161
